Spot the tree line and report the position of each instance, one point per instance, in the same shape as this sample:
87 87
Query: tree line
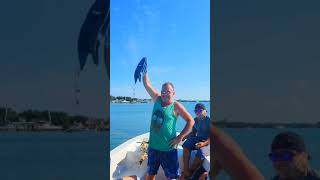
127 98
57 118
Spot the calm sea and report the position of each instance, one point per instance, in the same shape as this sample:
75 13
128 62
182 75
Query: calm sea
54 155
130 120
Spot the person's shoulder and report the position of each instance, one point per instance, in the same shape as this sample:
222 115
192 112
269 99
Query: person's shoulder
178 105
208 119
195 119
157 100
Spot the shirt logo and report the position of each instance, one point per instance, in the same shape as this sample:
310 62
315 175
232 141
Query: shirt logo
157 120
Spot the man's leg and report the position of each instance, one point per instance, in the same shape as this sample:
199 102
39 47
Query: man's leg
153 163
197 162
198 173
170 164
186 158
188 145
133 177
151 177
204 176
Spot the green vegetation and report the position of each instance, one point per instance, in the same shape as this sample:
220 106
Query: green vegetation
119 99
38 119
112 98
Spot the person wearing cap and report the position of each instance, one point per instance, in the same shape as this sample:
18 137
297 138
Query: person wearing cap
198 138
290 158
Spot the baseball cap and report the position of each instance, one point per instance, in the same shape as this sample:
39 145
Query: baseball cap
289 141
200 106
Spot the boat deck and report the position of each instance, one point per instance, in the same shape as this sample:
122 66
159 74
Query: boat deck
124 159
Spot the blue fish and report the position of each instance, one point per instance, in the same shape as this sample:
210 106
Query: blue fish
94 29
140 70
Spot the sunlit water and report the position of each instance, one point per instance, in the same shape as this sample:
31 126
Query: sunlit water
130 120
54 155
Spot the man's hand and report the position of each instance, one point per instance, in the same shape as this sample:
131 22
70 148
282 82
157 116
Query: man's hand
176 141
200 144
184 138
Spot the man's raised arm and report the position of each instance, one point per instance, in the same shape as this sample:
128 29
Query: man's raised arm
151 91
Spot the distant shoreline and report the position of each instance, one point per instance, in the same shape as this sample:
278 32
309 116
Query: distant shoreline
35 121
36 128
131 100
5 129
147 102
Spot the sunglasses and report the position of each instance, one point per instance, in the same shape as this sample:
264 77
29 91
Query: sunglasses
281 156
165 92
198 110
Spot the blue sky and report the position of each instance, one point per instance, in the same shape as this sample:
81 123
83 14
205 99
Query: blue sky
173 35
266 60
39 54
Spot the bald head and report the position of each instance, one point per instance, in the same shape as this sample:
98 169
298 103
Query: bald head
168 84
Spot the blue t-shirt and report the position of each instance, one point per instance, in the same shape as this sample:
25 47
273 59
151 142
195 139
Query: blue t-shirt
201 127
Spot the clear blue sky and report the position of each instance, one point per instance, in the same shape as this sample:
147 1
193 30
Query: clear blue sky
266 60
173 35
39 54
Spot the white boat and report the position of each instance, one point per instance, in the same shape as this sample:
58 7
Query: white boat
125 159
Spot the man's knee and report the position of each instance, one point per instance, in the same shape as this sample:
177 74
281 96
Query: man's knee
186 149
150 177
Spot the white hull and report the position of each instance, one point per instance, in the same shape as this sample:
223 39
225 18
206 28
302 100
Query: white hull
124 159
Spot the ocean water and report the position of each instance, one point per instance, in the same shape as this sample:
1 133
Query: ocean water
54 155
130 120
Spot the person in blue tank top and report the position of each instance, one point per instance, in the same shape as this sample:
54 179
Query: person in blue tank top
163 139
198 138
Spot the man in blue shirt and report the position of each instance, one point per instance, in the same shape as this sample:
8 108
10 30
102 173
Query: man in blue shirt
198 138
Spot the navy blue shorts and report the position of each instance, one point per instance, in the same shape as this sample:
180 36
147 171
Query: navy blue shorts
191 142
168 161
